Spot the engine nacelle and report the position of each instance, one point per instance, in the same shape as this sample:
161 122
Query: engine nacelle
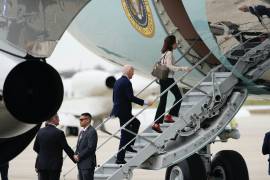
91 83
24 101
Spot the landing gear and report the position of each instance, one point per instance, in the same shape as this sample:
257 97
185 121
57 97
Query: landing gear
191 168
229 165
226 165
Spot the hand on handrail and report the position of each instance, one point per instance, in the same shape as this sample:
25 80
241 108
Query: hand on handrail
149 102
187 69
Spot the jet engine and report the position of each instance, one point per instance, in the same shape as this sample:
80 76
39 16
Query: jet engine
91 83
31 93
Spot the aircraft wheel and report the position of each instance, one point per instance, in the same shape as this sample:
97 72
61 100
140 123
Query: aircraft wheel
229 165
191 168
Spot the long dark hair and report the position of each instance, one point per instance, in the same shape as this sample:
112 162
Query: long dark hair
168 43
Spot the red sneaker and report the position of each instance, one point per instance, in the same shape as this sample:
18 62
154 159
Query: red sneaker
156 127
168 119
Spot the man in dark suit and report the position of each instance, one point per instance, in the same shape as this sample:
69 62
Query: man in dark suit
266 147
259 11
122 98
86 148
49 145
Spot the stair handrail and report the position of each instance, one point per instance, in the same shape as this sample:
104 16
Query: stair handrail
206 56
161 94
179 79
146 107
154 80
152 142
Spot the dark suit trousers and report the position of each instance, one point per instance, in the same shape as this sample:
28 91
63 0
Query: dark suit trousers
86 174
48 175
4 172
164 84
126 137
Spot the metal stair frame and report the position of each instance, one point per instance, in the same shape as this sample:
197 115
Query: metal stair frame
124 167
158 143
251 58
160 161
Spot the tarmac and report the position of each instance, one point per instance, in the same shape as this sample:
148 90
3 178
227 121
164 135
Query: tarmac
252 131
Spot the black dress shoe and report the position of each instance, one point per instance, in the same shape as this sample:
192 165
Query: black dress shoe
131 150
120 162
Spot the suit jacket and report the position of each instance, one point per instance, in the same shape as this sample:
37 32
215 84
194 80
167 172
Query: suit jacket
259 11
266 144
86 149
123 97
49 144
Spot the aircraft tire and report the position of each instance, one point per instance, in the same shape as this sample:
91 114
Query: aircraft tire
229 165
191 168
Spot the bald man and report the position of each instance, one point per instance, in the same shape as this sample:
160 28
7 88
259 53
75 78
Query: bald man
122 98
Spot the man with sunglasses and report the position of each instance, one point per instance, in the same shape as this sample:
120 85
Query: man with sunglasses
85 153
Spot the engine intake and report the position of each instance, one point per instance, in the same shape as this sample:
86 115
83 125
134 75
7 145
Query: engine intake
33 91
110 82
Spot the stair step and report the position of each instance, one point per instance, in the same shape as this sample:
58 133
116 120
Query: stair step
191 103
209 83
188 103
150 134
139 145
130 155
101 176
110 168
165 125
195 98
184 110
195 93
112 165
222 74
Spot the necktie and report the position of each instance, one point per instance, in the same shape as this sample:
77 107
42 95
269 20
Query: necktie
80 135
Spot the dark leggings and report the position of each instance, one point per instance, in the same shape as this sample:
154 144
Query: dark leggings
164 84
4 171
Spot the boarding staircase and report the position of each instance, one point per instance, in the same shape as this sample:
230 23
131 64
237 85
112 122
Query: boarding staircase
205 111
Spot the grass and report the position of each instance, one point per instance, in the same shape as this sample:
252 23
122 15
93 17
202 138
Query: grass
257 102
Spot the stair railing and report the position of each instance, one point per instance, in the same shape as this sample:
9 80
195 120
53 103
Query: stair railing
142 110
154 80
180 79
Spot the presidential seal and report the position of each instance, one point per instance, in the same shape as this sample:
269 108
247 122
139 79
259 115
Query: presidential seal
140 16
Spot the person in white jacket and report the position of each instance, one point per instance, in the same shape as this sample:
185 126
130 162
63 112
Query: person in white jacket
167 58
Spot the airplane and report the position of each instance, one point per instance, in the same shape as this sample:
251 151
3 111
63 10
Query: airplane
131 32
